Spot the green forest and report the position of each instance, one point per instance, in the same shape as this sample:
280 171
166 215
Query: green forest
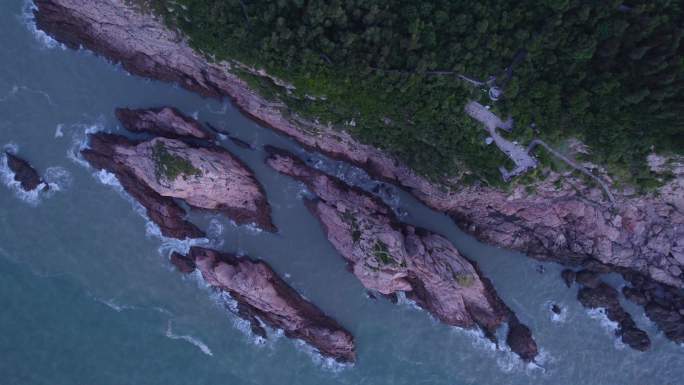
610 73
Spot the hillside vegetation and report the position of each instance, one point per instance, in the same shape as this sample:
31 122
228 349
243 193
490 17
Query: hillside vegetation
610 73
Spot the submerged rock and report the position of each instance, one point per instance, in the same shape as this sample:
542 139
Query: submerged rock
164 121
207 178
24 173
389 257
605 297
263 296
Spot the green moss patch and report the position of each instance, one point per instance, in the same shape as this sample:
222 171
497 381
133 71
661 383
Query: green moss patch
169 166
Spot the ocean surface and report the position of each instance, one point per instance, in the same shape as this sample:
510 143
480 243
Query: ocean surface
87 295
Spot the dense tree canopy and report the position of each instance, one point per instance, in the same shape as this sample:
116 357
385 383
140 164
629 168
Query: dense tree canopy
608 72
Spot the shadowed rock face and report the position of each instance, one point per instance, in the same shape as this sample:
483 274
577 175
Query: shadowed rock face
263 296
164 121
390 257
26 175
160 169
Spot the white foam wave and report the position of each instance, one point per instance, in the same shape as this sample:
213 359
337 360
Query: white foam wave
559 318
58 131
188 338
168 245
326 363
29 20
507 360
609 326
79 139
402 300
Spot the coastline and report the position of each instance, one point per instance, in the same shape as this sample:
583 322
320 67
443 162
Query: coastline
642 234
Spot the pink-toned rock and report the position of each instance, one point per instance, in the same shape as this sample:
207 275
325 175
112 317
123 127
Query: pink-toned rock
163 121
263 296
390 257
212 180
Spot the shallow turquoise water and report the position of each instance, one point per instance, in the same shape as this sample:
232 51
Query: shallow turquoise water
87 295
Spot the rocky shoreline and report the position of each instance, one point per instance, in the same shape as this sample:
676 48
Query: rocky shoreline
391 257
562 221
263 296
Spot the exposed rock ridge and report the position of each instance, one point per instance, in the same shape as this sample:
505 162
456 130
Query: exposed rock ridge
263 296
390 257
162 121
644 234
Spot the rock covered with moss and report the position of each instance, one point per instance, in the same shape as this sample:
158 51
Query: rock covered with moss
391 257
263 296
163 169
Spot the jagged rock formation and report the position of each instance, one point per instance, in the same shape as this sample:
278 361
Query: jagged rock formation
157 170
263 296
24 173
390 257
605 297
164 121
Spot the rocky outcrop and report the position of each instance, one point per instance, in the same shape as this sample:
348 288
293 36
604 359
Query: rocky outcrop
163 121
391 257
24 173
605 297
263 296
158 170
161 210
643 234
664 304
